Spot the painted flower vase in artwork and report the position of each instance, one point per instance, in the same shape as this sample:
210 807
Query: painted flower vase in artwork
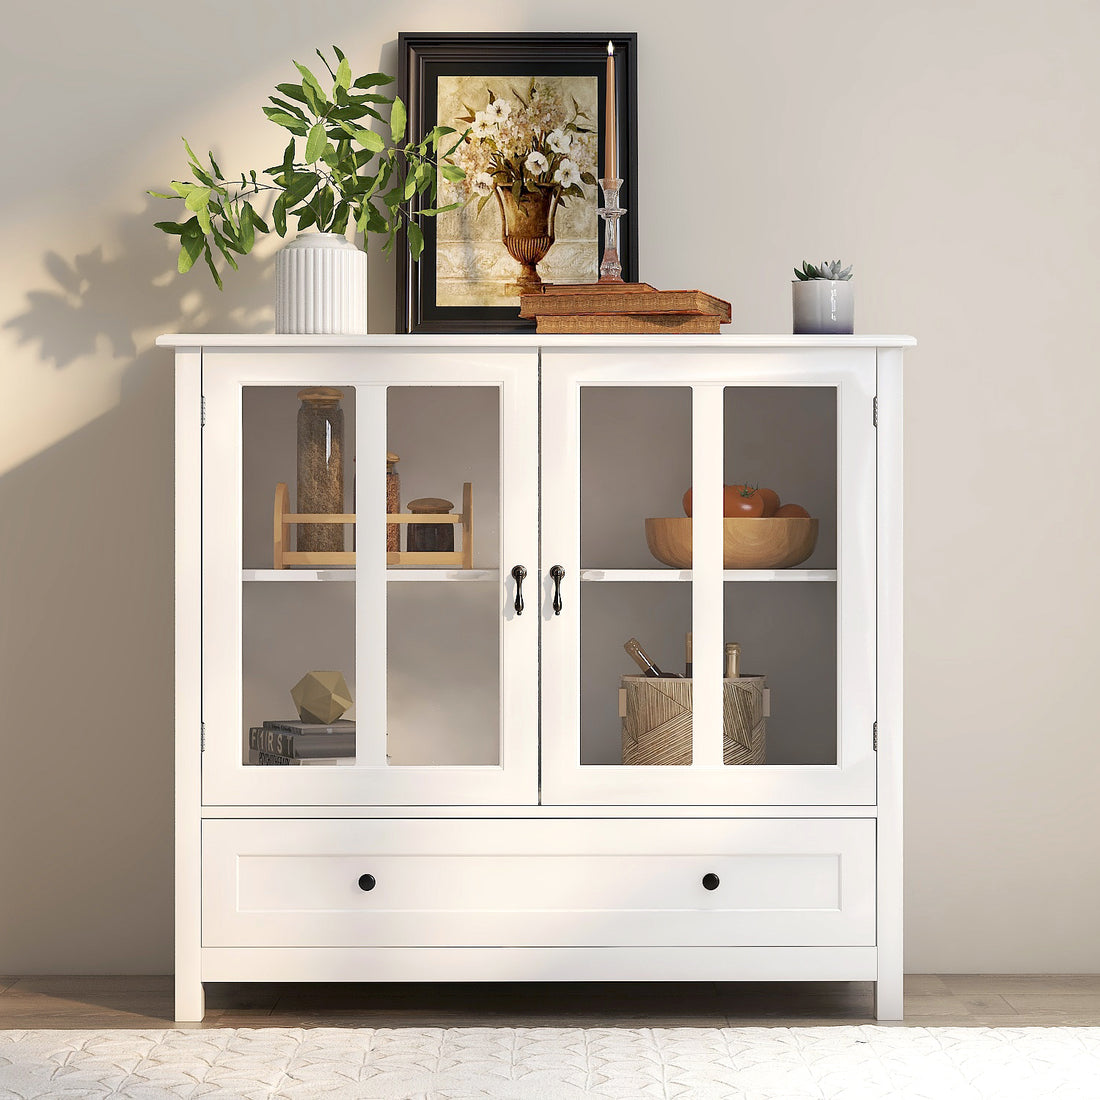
527 229
321 286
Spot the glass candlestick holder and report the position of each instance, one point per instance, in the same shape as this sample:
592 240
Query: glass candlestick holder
611 270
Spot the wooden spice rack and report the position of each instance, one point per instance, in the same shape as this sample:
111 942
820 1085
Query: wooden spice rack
454 559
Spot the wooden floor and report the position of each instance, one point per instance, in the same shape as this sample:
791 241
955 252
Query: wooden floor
1041 1000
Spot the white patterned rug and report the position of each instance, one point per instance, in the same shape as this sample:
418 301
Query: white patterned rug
746 1063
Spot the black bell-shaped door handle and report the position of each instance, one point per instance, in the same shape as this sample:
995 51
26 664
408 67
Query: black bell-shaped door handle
557 573
518 573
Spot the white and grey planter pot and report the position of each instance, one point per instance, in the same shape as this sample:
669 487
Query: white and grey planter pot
823 307
321 286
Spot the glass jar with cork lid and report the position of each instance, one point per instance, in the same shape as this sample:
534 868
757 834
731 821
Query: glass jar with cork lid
320 467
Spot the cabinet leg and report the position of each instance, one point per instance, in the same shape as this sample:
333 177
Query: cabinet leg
190 1002
889 999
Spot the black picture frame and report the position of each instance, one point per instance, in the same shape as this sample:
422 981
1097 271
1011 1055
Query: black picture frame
422 59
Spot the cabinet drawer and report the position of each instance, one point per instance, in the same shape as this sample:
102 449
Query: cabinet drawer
538 883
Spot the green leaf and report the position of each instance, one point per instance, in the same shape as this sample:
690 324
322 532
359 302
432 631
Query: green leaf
416 240
370 140
204 176
339 52
289 122
175 228
197 198
306 218
161 195
314 99
213 269
292 91
452 172
324 61
203 214
373 80
315 143
190 152
278 215
290 108
190 250
224 250
300 185
409 189
398 119
248 229
309 80
340 218
325 202
432 211
343 74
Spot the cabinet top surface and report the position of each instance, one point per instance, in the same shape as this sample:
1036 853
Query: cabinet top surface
527 340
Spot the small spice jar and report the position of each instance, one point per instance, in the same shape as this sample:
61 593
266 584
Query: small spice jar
430 537
320 467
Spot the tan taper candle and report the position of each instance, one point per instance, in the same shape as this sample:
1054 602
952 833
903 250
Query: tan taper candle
610 165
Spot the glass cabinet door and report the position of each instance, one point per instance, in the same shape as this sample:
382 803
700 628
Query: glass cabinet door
363 510
712 519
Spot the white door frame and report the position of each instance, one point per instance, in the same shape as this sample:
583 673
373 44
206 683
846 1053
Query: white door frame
226 780
851 781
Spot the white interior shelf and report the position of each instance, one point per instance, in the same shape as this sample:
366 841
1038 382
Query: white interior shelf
828 575
403 574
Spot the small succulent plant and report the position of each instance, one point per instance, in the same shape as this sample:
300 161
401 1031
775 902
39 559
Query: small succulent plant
827 270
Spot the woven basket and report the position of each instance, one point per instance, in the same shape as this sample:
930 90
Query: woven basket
656 714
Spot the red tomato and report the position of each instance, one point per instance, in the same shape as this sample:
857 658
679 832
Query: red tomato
741 501
771 501
789 510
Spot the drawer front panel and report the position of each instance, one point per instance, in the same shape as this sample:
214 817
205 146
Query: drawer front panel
529 883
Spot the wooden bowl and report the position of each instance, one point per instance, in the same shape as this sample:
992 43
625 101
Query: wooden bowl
765 543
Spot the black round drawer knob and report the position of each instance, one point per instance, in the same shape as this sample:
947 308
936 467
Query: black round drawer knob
710 882
367 882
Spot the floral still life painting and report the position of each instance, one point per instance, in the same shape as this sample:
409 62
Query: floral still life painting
528 200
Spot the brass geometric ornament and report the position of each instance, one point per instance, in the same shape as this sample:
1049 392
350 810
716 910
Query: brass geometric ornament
321 696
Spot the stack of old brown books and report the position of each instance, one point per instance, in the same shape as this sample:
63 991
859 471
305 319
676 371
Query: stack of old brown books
623 307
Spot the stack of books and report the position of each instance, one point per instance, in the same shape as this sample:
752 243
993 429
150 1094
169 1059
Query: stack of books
294 742
623 307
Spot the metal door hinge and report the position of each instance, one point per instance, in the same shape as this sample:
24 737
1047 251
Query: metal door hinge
874 737
202 415
874 411
202 737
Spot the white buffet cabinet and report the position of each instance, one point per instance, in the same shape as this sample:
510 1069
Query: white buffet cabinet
485 827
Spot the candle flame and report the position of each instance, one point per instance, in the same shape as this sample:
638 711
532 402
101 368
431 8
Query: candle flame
610 47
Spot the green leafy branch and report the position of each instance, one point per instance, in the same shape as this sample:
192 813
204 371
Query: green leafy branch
336 172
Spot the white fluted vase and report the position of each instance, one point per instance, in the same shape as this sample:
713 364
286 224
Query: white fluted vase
321 285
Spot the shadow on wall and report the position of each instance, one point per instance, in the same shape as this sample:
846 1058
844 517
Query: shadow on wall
93 298
86 546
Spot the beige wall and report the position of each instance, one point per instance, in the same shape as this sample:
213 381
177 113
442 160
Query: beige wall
947 149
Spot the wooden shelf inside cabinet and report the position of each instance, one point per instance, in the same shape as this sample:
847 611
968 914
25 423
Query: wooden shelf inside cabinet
318 560
329 575
825 575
